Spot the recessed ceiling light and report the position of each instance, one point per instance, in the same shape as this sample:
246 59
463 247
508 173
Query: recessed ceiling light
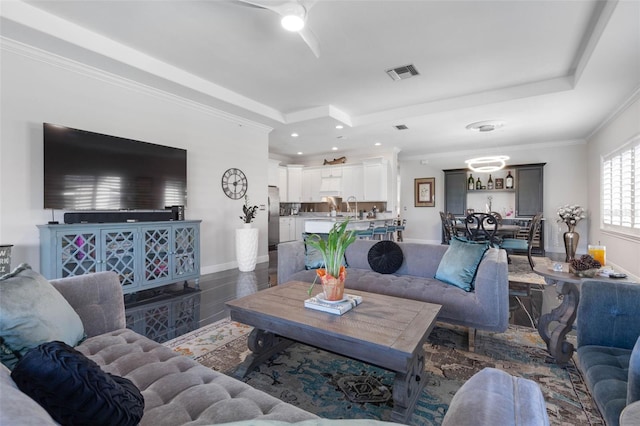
299 152
335 148
377 144
485 126
339 126
294 135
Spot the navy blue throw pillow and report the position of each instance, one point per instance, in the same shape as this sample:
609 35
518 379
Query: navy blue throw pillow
385 257
74 390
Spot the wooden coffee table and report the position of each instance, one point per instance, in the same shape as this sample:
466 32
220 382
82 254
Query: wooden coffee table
385 331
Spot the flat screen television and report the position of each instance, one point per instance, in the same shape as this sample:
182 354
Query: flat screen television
91 171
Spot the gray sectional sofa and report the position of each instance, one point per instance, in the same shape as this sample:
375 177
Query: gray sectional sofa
486 307
179 391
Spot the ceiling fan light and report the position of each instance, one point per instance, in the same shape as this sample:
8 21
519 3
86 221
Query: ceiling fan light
293 16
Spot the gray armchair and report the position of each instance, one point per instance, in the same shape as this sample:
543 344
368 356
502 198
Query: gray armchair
608 332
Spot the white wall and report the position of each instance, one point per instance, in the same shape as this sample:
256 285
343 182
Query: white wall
38 88
623 251
565 175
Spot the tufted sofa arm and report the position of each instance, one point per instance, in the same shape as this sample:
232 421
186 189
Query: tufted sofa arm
98 300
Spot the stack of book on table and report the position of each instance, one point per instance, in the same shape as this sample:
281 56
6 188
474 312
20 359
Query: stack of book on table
339 307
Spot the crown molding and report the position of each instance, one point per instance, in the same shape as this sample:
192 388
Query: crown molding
36 54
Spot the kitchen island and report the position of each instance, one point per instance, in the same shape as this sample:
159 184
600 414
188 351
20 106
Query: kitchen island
323 225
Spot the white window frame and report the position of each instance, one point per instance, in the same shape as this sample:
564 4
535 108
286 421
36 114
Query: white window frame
620 189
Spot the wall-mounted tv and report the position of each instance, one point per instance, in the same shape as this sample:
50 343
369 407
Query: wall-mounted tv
91 171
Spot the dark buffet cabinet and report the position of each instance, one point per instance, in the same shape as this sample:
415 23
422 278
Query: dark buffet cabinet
528 191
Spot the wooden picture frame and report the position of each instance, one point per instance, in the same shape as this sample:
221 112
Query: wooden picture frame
425 192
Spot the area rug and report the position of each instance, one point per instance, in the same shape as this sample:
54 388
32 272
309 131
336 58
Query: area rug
520 270
316 380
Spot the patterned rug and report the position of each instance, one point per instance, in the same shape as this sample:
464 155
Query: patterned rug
317 381
520 270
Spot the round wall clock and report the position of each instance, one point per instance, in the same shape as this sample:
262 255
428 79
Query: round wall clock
234 183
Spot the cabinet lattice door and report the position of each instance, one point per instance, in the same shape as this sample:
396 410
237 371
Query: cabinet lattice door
120 255
157 254
184 249
78 253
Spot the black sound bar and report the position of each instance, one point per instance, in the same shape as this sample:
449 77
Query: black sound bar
116 217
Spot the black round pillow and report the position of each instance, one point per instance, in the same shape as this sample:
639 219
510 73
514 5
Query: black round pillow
74 390
385 257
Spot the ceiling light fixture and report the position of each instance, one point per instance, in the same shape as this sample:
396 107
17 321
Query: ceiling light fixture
299 152
294 135
377 144
293 15
485 126
487 164
339 126
335 148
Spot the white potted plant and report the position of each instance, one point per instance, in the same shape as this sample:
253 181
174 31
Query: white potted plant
247 239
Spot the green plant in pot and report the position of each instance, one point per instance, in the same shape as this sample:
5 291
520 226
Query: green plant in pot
248 212
332 248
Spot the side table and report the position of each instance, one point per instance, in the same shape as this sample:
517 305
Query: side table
568 286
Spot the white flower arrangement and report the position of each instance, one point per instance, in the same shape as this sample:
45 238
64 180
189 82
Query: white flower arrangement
571 214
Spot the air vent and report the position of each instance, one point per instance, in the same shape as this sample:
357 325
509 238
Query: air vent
403 72
401 127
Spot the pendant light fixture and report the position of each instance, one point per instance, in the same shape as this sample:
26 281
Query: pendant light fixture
487 164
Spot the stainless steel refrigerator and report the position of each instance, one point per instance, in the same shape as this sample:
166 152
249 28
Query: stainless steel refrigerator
274 216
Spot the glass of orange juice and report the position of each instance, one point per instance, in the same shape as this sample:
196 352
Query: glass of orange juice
599 253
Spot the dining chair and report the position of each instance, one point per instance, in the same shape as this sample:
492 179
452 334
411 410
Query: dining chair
447 228
482 227
511 244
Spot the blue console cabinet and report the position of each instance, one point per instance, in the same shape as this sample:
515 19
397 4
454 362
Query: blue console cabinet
143 254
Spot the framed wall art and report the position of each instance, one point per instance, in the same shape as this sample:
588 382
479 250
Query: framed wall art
425 192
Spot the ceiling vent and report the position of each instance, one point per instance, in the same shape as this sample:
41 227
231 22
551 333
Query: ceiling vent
402 73
401 127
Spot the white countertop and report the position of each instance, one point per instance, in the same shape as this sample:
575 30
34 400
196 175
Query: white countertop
322 225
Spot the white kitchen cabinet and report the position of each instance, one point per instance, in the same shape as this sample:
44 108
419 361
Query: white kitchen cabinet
331 183
375 179
311 178
299 228
353 182
282 184
285 228
294 183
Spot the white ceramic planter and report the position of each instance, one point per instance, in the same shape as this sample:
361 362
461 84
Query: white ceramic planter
247 248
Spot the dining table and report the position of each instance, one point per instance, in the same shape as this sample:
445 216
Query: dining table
504 230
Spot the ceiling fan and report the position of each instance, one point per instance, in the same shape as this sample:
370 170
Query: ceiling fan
294 15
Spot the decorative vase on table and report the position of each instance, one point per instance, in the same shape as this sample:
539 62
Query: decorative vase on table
332 287
247 248
571 239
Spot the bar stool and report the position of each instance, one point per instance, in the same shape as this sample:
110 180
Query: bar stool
400 228
380 232
366 234
391 230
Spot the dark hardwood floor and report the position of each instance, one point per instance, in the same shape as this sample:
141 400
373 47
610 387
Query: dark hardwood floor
174 310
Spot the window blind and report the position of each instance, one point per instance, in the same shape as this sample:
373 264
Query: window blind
620 179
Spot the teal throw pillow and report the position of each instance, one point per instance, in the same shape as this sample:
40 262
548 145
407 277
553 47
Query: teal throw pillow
33 312
460 263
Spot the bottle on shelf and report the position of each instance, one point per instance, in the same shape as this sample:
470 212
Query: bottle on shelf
508 181
490 183
471 185
478 184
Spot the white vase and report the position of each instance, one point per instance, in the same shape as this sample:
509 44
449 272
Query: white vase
247 248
